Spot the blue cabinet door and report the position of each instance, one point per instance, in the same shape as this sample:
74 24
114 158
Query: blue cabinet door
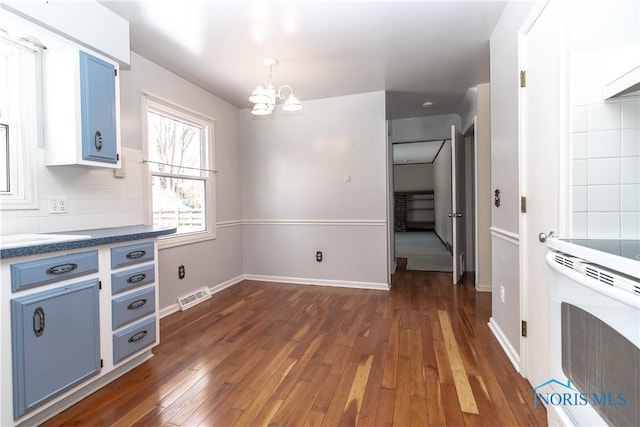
98 109
55 343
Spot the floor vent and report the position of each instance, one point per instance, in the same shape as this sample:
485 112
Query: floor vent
194 298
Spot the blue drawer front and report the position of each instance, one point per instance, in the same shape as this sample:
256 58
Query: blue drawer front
40 272
131 254
55 342
131 307
132 278
133 339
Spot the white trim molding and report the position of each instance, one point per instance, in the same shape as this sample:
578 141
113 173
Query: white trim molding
224 224
319 282
173 308
336 222
483 288
511 352
505 235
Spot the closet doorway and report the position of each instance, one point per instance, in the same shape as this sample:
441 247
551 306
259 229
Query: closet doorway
422 200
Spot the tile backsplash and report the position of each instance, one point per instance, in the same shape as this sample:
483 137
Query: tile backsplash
97 199
605 150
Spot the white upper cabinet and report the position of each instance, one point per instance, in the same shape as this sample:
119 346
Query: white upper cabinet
81 109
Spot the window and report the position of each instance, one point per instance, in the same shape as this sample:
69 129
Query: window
179 158
20 100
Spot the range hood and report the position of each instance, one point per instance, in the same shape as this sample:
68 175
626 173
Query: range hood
628 84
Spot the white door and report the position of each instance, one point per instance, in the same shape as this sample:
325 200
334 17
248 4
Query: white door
457 203
541 116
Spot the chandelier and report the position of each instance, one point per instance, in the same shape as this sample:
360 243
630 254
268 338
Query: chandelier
265 96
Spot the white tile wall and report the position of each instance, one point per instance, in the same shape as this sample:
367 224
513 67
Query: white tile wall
97 199
605 152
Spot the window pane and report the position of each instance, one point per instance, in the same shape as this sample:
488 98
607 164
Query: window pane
174 142
179 202
4 159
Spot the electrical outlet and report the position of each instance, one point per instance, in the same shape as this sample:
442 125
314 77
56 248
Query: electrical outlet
319 256
58 205
502 293
181 272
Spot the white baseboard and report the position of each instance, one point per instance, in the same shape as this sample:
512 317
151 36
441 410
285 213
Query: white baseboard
511 353
483 288
319 282
173 308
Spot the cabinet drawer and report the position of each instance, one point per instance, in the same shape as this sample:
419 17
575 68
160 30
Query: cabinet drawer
131 254
40 272
132 339
132 278
128 308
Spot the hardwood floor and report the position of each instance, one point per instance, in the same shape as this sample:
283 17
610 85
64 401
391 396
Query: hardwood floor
260 354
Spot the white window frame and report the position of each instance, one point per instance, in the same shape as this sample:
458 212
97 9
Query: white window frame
25 130
160 105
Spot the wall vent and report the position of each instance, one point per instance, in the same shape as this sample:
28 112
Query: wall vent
194 298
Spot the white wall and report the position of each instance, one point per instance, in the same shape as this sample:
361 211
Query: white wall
442 193
424 128
483 185
504 170
212 262
416 177
316 180
605 134
468 108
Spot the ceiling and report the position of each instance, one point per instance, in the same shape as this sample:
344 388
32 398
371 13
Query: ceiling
414 50
416 152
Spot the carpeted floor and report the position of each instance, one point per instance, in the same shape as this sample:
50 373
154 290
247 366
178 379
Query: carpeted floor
436 261
424 251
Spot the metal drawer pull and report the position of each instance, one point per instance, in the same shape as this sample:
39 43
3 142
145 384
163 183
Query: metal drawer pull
39 314
62 268
97 140
137 304
136 254
138 336
136 278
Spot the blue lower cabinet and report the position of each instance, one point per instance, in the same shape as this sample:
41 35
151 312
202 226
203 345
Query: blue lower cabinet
55 343
133 339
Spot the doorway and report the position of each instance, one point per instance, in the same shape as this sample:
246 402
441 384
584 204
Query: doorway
422 199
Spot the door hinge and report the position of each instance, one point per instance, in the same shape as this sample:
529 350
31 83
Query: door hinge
117 156
523 204
524 328
99 284
101 363
116 72
523 78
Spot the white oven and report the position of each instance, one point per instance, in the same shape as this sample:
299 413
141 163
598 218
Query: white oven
594 317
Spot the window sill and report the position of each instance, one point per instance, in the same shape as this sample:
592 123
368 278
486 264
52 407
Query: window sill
172 241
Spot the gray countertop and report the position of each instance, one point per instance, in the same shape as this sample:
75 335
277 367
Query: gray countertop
96 237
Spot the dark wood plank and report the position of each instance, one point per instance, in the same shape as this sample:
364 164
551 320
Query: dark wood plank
277 354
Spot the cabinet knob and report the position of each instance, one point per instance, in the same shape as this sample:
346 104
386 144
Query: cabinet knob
97 140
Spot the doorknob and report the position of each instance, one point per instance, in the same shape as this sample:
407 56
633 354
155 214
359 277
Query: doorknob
454 214
543 237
